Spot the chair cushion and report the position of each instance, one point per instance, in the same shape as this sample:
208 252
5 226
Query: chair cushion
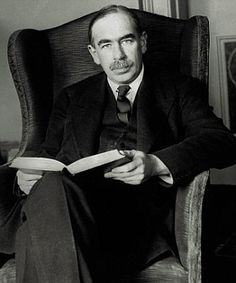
166 270
8 272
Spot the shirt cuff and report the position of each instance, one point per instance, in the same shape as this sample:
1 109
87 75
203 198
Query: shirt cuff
163 173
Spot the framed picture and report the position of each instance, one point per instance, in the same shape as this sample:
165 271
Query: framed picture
169 8
226 48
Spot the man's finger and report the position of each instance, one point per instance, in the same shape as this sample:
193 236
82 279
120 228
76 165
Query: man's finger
129 153
128 167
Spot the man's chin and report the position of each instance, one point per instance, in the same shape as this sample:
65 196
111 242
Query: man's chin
122 77
121 71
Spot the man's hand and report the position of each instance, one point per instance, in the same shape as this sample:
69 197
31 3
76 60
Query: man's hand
141 167
26 180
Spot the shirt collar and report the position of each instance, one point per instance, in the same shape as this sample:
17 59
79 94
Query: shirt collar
133 86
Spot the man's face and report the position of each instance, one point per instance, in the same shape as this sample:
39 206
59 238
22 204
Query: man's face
117 47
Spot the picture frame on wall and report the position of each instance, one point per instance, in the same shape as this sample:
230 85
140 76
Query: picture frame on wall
169 8
226 48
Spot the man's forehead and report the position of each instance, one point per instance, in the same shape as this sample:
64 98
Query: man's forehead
113 25
110 39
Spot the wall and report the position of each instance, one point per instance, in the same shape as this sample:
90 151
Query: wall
222 19
38 14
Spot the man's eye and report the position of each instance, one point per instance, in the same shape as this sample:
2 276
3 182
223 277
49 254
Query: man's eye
127 41
107 45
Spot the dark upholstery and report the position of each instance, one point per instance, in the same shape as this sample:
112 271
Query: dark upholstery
43 62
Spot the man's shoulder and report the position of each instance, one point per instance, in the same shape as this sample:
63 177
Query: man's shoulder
167 77
88 83
172 82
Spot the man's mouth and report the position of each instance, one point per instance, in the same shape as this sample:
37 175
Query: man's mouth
120 65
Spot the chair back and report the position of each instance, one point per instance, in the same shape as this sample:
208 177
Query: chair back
43 62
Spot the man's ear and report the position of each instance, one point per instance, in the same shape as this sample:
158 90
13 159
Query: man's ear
143 42
94 54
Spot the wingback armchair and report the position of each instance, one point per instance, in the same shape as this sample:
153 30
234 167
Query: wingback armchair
43 62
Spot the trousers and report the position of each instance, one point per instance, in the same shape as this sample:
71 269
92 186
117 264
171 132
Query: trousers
84 233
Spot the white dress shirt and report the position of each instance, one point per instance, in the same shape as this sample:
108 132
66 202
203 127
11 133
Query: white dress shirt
134 86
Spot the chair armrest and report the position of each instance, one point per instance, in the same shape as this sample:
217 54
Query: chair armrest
188 222
10 209
7 198
8 272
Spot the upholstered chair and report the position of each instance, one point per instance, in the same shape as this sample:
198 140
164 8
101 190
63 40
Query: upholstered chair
43 62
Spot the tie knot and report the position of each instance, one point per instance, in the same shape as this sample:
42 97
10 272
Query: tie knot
123 90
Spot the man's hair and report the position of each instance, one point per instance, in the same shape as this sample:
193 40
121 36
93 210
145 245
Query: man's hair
110 9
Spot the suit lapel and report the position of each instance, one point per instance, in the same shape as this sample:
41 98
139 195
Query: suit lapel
153 106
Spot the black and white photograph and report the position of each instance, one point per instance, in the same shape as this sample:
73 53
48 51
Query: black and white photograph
118 141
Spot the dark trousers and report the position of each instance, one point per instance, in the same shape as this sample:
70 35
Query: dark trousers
85 233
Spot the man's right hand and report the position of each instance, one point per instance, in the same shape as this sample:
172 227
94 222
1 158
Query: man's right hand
26 180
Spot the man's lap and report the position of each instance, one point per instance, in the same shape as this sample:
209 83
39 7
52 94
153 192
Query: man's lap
125 217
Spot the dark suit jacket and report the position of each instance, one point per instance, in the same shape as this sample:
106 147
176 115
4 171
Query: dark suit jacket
174 122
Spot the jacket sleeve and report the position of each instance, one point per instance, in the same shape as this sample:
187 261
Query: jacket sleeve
55 130
207 143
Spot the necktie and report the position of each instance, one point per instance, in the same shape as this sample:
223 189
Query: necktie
123 104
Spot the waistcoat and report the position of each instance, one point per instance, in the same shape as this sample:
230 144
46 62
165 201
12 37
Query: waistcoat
115 134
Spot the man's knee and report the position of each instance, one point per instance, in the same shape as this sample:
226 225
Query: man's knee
49 186
46 197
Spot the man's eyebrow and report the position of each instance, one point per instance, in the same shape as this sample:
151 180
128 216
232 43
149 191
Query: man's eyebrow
103 41
129 35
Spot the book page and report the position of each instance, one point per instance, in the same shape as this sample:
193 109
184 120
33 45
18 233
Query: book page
94 161
39 164
28 164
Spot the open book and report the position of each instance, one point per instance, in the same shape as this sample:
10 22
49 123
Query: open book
40 164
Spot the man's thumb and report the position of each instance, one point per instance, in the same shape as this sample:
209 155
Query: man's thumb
129 153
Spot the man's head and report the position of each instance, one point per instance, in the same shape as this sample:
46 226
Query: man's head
117 43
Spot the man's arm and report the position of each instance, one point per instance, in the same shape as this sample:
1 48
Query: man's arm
207 142
55 130
141 167
52 142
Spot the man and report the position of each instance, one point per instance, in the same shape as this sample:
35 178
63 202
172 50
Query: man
93 225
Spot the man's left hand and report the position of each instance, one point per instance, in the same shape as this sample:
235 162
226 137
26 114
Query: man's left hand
141 167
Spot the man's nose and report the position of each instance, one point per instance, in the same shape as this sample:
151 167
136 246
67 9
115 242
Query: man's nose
118 52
